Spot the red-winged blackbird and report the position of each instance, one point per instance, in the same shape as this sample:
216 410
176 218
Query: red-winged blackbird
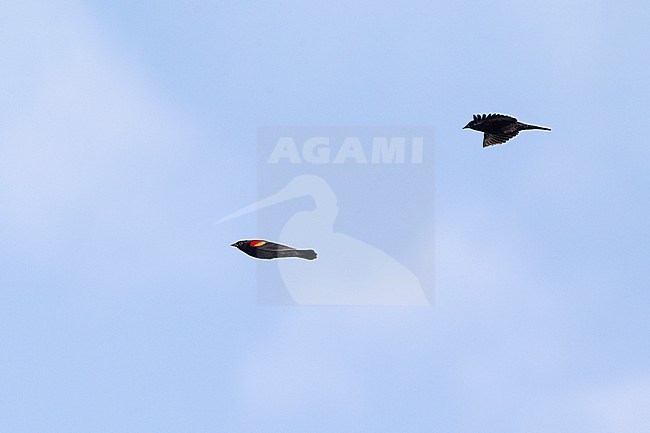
270 250
498 128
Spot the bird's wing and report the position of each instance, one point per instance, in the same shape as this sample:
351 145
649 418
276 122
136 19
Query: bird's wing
271 246
499 117
502 137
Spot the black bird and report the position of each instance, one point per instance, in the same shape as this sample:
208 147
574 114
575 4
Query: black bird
270 250
498 128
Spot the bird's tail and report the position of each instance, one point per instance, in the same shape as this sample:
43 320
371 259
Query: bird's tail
306 254
526 126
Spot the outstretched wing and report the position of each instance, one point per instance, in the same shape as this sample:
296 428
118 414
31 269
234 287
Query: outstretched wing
492 123
492 139
499 117
494 119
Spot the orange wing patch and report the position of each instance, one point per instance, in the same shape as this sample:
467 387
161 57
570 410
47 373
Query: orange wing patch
257 243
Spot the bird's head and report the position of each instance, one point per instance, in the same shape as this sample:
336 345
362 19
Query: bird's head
239 244
472 123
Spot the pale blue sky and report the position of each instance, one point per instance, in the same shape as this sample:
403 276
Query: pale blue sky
127 129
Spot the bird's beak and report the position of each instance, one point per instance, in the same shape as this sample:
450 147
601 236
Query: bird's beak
283 195
233 245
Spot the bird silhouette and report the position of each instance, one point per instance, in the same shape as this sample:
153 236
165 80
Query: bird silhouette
498 128
270 250
348 271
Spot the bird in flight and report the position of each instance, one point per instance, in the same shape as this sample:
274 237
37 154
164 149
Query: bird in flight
498 128
270 250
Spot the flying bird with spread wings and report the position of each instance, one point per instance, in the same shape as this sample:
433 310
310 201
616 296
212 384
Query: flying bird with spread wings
498 128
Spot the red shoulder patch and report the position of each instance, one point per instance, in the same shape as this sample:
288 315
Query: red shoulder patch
257 243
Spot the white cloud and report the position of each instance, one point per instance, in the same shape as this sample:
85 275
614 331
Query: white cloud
619 407
86 127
